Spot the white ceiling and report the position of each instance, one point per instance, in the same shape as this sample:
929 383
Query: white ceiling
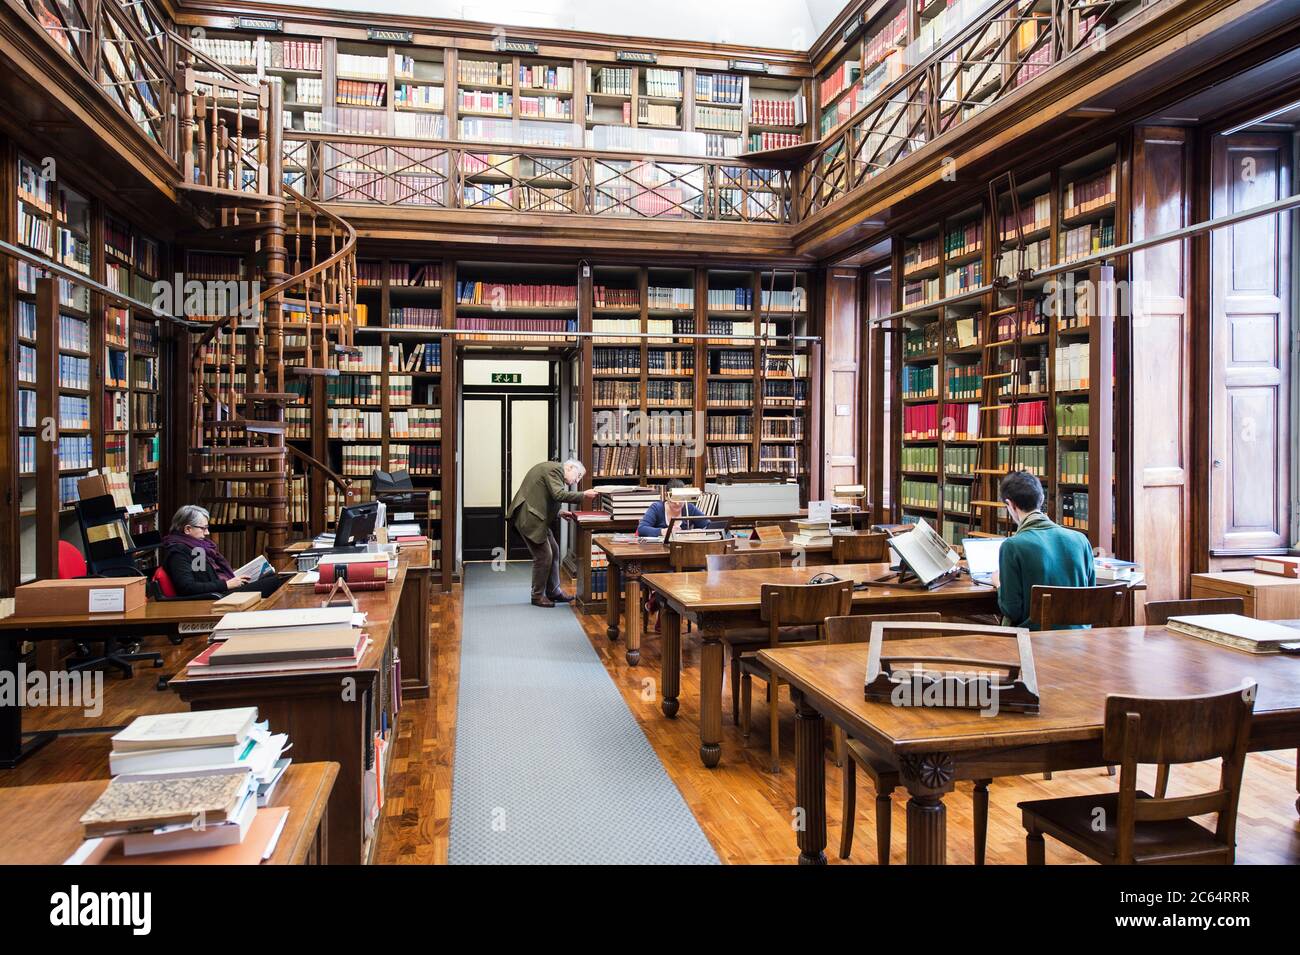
778 24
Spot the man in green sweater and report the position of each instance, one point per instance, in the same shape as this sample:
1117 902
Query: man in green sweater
533 510
1039 552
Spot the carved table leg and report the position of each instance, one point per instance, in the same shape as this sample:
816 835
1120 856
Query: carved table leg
613 601
710 691
927 777
810 780
632 584
670 659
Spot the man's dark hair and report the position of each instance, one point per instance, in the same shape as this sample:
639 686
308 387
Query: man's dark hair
1023 490
675 483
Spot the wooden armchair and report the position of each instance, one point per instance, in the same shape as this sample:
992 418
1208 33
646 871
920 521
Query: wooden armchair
694 555
1057 607
859 548
789 605
737 640
1143 829
1158 614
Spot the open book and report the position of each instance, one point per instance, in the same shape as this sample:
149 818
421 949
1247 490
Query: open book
925 553
255 569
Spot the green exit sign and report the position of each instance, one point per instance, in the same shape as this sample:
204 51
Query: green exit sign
507 378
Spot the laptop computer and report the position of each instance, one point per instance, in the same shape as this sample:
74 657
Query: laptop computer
982 556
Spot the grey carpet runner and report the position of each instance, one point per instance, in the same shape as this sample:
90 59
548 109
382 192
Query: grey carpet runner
550 765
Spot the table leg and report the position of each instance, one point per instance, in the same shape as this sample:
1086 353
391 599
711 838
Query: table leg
613 600
633 626
927 777
670 659
810 779
11 714
710 691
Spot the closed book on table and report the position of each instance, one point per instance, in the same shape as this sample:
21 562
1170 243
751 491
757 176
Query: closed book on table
136 805
282 621
182 837
201 666
308 644
360 574
259 844
201 728
1238 632
185 757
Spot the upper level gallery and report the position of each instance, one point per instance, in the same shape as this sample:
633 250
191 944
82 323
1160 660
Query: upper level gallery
447 130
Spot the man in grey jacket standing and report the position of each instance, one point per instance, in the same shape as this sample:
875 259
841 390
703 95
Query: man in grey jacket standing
533 510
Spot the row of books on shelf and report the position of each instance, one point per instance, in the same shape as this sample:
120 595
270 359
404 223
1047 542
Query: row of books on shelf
144 371
26 408
728 300
485 101
1084 240
403 274
416 96
545 107
678 361
543 76
34 187
295 55
359 122
727 459
1023 457
761 141
1023 418
1035 215
656 114
144 411
731 362
956 497
1026 375
1072 419
959 421
1074 509
918 381
68 493
920 292
1072 367
309 91
350 424
660 297
1034 256
33 231
26 454
714 117
785 392
76 452
422 357
782 458
213 266
782 428
615 460
483 72
618 361
363 389
719 88
74 333
27 319
360 64
423 460
27 364
730 427
360 93
550 326
676 393
607 392
1027 317
963 278
407 316
74 372
1092 192
117 413
918 493
963 381
777 112
604 296
1072 467
74 412
516 295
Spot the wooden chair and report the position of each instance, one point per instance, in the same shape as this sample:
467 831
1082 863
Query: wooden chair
884 777
1159 611
739 639
859 548
789 605
693 555
1138 828
1158 614
1057 607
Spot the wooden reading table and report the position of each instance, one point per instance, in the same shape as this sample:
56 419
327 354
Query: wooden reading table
731 599
1077 669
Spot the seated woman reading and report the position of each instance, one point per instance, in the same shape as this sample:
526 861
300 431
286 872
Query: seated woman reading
657 516
194 563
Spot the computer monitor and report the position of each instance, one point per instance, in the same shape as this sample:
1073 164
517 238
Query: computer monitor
356 524
982 555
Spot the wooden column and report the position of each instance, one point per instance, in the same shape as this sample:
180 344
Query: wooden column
47 429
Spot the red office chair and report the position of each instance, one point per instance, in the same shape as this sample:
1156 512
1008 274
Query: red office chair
117 653
162 582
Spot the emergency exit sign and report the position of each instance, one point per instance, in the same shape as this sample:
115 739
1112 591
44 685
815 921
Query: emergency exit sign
507 378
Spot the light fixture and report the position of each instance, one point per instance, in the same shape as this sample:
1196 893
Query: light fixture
1261 119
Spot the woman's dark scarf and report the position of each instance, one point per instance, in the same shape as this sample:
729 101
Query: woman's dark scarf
211 555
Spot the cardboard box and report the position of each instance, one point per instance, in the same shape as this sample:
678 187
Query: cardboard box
57 598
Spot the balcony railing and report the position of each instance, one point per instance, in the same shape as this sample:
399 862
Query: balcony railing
533 180
1005 44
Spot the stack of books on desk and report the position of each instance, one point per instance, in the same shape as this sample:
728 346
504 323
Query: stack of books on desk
626 502
1238 632
812 534
281 641
188 787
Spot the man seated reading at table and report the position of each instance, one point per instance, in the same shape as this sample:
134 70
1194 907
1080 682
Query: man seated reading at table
1038 552
656 517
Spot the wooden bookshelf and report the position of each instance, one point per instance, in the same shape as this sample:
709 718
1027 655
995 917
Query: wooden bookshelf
984 387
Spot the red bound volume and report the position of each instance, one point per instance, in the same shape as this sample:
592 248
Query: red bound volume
360 575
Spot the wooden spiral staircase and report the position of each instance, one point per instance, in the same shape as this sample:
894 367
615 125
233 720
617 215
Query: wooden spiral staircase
271 335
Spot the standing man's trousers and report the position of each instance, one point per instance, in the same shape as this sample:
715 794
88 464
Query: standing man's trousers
546 565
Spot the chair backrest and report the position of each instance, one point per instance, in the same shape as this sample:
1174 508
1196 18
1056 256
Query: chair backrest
1159 611
71 563
856 628
163 581
693 555
800 605
1056 607
1188 729
743 561
859 548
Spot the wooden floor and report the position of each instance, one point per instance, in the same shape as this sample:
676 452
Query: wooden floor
745 811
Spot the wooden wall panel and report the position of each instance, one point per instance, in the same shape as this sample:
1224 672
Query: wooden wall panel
1250 336
840 376
1160 355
